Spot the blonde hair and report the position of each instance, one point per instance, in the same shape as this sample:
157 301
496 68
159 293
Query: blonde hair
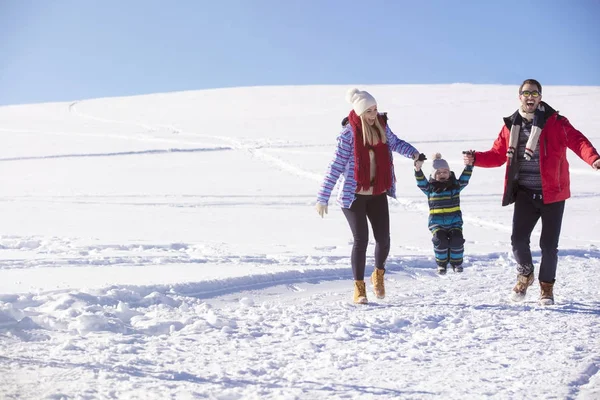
371 136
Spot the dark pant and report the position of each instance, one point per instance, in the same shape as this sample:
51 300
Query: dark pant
375 208
448 246
529 208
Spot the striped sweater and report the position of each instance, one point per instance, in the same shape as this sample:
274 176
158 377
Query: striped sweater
342 167
444 199
529 170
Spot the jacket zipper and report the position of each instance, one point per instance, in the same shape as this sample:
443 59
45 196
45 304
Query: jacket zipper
559 182
561 161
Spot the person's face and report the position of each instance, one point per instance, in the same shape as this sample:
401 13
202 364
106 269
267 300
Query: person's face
527 96
442 175
370 114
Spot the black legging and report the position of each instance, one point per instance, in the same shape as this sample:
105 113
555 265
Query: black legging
528 210
375 208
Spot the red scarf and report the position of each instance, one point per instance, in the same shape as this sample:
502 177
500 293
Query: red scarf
362 161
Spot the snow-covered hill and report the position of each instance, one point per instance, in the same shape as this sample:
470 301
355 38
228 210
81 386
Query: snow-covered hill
167 246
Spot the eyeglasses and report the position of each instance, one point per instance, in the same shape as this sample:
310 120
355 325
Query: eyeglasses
528 93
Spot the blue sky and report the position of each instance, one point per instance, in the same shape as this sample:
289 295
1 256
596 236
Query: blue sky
63 50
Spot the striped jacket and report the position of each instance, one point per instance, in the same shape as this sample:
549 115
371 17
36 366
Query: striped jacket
342 167
444 200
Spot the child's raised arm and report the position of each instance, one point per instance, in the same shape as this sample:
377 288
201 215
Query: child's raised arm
422 182
419 162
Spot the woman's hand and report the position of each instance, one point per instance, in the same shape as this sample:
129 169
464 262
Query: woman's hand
321 209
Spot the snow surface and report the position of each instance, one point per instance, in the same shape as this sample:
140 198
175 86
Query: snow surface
167 246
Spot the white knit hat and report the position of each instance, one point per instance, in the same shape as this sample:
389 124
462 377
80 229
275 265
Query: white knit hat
360 100
438 163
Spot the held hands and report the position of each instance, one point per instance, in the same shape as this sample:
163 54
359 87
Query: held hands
596 164
469 157
419 160
321 209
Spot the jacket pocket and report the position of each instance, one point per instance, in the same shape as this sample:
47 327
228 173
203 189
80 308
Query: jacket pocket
559 175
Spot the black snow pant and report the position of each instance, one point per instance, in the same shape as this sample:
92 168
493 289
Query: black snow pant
375 209
529 208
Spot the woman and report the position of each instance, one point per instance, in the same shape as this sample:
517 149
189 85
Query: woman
363 163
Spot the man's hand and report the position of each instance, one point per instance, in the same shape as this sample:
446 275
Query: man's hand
321 209
469 157
596 164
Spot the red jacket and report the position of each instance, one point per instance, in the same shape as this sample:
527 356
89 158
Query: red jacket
556 136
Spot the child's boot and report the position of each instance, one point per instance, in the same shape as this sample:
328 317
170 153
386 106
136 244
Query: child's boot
457 268
441 269
377 281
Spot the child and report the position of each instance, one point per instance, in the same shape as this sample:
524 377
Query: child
445 218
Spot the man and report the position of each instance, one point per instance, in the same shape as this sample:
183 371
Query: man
533 142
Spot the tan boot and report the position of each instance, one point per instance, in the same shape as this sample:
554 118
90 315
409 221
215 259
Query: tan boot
360 292
377 281
547 293
520 290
